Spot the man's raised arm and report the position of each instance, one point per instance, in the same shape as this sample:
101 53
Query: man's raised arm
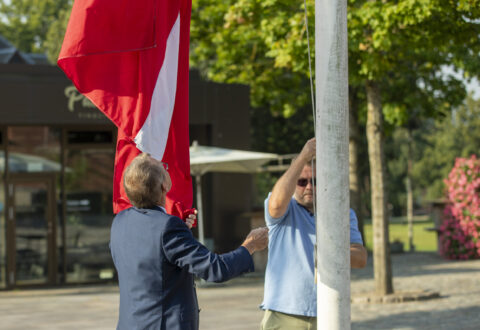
285 187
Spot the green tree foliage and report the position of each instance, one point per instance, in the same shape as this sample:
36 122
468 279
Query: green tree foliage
397 153
455 136
33 25
55 34
436 145
402 45
260 43
389 40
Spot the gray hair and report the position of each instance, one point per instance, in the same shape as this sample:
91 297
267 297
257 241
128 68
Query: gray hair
143 180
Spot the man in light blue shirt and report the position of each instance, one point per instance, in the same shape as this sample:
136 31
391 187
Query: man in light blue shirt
290 298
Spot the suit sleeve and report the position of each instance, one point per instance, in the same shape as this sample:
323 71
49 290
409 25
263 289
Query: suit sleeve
184 251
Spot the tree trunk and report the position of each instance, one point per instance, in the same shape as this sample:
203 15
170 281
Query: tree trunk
381 243
353 144
410 192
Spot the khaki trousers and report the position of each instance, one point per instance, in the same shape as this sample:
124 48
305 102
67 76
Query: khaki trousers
273 320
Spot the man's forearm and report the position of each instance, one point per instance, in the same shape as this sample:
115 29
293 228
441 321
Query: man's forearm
285 186
283 190
256 240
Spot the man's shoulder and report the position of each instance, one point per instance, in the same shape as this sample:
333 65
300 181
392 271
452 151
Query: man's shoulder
290 203
288 219
149 215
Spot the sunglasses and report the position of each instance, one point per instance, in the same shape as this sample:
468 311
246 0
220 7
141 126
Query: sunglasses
304 182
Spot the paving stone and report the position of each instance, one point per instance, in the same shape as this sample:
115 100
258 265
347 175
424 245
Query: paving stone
234 306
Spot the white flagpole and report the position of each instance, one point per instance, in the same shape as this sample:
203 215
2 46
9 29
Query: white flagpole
201 235
332 210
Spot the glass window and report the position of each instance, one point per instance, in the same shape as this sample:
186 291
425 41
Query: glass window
80 137
33 149
31 208
88 187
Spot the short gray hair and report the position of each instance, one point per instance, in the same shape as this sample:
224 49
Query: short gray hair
143 180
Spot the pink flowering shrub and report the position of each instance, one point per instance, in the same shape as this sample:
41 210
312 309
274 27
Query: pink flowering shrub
459 232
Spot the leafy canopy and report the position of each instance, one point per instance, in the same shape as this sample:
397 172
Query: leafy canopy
447 139
33 26
401 44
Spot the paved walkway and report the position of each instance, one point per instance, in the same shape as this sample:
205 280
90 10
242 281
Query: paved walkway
458 283
234 306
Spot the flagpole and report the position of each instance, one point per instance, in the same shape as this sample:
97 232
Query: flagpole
332 210
201 235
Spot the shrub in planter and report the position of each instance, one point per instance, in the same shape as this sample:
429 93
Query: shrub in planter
460 230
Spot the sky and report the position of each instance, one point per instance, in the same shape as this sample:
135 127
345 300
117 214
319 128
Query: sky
474 87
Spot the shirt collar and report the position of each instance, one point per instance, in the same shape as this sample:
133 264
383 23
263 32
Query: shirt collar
156 207
311 214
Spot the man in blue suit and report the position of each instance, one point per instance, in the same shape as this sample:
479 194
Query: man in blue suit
156 255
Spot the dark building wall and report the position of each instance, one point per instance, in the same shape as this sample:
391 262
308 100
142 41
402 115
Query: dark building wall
42 95
219 116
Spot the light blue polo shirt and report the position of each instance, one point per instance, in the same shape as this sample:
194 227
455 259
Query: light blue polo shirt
289 278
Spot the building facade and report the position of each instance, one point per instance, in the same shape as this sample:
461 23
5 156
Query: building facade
56 170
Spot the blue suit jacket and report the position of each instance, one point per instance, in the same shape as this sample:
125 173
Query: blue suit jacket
156 257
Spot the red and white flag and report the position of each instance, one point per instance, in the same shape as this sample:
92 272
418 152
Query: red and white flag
130 58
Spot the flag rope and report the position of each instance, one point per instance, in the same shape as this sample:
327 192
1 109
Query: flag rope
313 102
315 134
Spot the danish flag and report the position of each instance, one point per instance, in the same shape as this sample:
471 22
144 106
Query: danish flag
130 58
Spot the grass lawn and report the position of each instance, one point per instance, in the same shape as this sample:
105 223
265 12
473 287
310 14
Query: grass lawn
423 240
